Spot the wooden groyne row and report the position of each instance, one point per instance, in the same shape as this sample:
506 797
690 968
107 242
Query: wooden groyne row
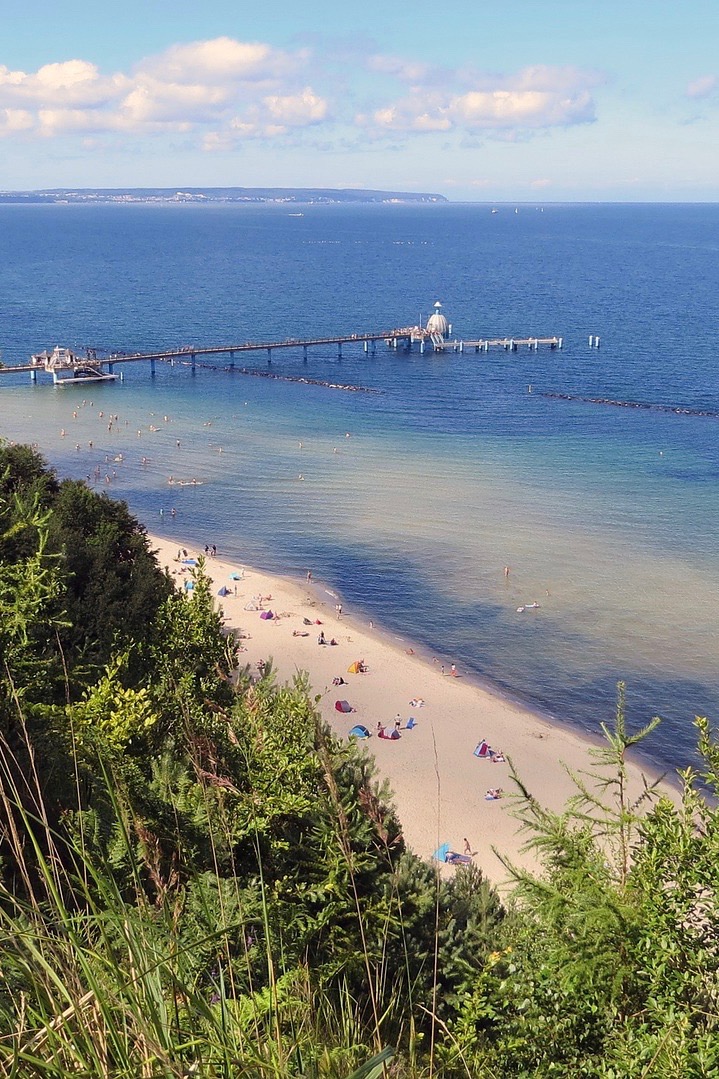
647 406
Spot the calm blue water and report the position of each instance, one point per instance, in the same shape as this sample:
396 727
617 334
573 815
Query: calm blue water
606 516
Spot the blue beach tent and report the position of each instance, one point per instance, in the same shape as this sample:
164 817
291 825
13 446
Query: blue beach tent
358 731
440 855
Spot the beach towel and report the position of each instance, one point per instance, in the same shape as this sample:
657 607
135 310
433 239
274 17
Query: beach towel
358 731
483 750
266 615
344 706
189 561
453 858
411 723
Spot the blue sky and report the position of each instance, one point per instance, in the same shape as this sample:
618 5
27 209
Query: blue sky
522 100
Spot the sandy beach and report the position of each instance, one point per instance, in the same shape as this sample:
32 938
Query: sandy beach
439 784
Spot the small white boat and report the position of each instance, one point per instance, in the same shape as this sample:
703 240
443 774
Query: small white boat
527 607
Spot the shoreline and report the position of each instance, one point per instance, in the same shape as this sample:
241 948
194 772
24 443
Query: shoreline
437 782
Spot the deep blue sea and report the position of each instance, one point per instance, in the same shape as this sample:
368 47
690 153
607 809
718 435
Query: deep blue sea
607 516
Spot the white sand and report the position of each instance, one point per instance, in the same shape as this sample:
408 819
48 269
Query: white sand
439 785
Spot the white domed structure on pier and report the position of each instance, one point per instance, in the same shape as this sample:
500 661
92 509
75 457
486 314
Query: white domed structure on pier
437 323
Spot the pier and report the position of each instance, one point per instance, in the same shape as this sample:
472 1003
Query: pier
66 366
96 365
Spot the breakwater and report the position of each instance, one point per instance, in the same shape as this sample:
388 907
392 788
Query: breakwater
347 387
647 406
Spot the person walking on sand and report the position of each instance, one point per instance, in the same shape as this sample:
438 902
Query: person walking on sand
467 848
309 576
453 671
506 571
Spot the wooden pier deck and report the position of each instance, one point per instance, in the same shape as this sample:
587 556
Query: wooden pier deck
95 365
394 338
509 344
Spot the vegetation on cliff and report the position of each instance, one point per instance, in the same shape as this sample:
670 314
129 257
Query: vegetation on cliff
197 878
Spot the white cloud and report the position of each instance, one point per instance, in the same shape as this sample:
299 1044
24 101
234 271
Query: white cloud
225 90
297 110
273 117
71 84
531 99
239 88
702 87
222 60
153 101
14 121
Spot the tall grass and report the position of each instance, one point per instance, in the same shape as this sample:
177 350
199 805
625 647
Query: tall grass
95 979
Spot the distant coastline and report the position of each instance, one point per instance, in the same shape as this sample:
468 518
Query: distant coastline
199 195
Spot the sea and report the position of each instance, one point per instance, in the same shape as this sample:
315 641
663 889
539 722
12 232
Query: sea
408 502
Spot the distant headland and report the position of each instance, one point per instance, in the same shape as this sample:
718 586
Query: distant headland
279 195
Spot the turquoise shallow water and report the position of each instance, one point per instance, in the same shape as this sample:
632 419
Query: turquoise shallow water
606 516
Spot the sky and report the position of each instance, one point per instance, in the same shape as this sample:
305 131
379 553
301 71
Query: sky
479 100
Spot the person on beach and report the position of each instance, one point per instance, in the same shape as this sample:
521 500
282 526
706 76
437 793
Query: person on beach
398 722
467 848
506 571
309 576
453 671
